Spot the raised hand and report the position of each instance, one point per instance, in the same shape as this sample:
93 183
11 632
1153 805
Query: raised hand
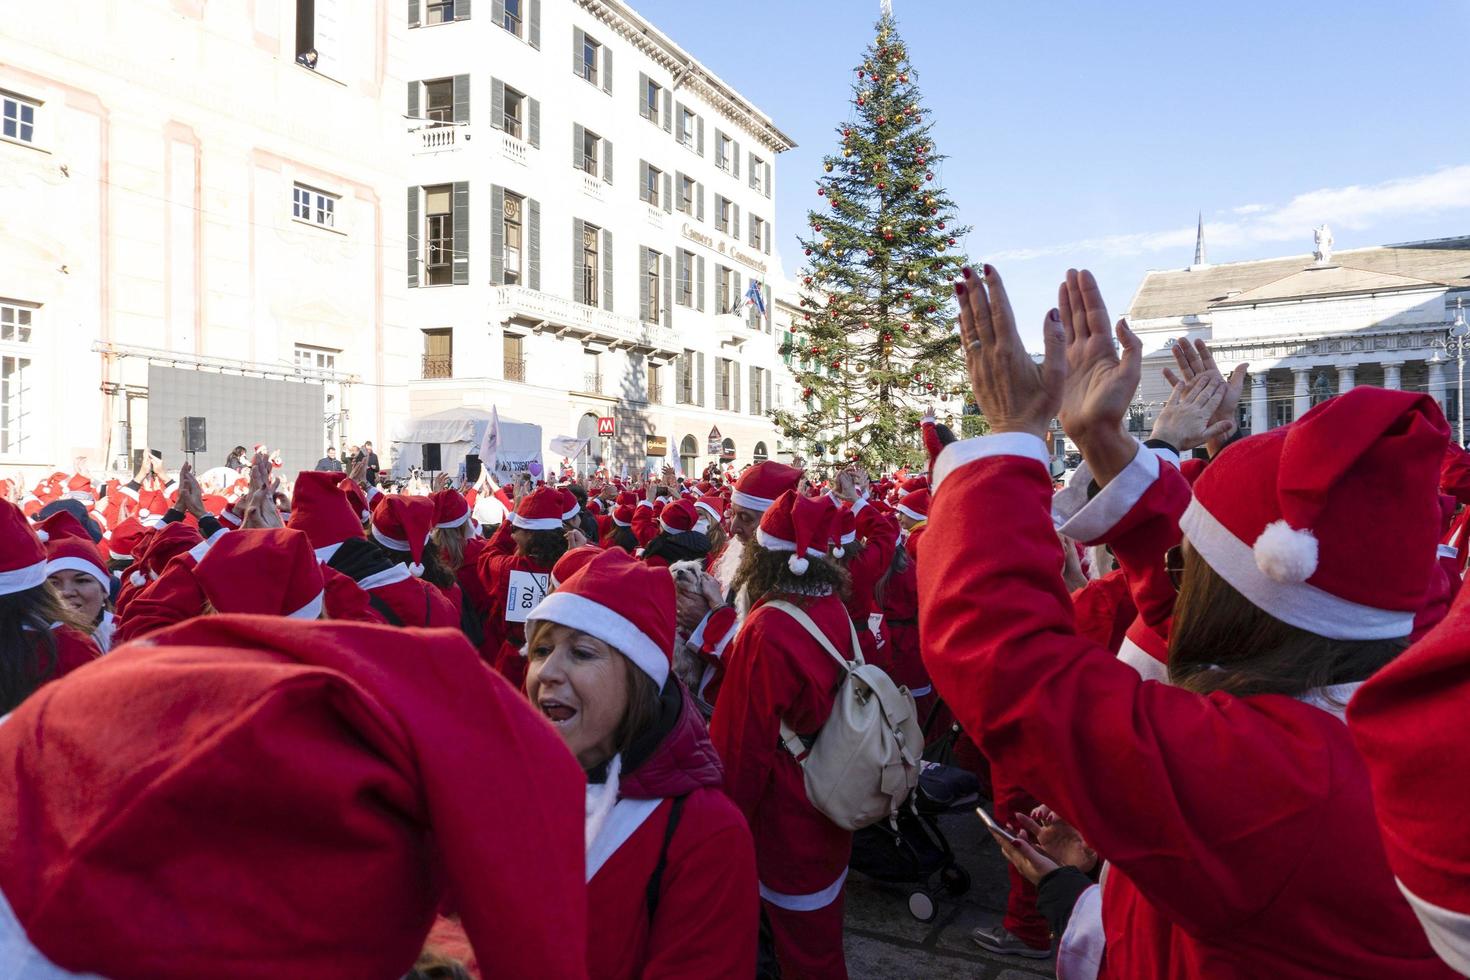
1014 393
358 473
191 496
845 487
575 538
1185 420
1100 383
1196 358
860 481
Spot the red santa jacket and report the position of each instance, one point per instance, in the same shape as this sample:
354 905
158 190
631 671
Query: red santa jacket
776 670
879 534
503 639
412 600
901 619
1240 831
706 915
469 578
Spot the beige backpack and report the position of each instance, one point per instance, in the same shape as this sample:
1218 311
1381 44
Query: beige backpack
864 762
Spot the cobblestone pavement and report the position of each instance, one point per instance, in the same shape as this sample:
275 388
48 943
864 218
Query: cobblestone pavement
884 941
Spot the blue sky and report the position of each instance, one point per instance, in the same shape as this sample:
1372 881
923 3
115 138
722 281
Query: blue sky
1090 133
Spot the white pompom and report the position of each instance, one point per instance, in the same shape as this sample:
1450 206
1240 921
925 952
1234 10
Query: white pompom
138 580
838 552
416 570
1285 553
797 564
43 534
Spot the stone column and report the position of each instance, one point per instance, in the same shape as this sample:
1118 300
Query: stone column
1346 378
1260 414
1301 400
1391 375
1436 381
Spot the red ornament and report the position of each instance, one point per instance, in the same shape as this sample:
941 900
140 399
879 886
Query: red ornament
929 387
929 176
846 133
941 226
857 418
806 393
821 192
882 186
951 241
905 295
903 78
836 365
807 280
882 120
870 253
860 100
817 227
809 251
905 328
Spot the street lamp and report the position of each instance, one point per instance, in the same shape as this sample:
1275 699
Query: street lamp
1455 345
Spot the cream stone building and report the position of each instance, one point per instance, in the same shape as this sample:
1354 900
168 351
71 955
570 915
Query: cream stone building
1310 326
202 186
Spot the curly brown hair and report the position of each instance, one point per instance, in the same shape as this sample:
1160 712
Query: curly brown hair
763 571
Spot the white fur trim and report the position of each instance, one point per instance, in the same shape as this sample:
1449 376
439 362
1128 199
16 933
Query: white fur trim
388 542
580 613
457 522
20 579
626 817
770 542
750 502
1149 667
572 513
416 569
1299 603
535 523
797 564
1080 952
1447 929
312 610
911 513
43 534
199 551
137 580
710 510
1090 521
388 576
79 565
809 902
957 454
228 516
1285 553
325 554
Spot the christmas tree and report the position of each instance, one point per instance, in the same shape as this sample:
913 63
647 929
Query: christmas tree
875 344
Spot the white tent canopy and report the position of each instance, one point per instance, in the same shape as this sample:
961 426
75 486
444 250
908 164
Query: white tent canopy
459 432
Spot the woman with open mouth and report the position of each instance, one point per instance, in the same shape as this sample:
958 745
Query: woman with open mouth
670 863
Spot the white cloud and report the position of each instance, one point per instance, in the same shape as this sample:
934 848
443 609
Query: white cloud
1352 207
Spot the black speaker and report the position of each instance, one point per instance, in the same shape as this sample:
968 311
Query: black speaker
472 467
193 434
431 457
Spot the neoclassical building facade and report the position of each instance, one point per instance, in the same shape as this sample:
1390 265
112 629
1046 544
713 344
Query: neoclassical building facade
1310 326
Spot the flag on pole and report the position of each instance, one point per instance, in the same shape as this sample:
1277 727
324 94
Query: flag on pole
490 441
754 298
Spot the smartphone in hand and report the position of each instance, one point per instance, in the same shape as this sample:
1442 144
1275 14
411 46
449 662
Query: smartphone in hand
989 821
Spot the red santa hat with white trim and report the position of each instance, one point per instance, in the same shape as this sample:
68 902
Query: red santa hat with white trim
678 516
69 548
123 540
797 524
625 603
1331 523
403 523
79 487
540 510
713 507
314 797
265 571
451 509
569 504
358 499
322 511
914 505
844 531
759 486
622 515
1411 724
22 555
572 561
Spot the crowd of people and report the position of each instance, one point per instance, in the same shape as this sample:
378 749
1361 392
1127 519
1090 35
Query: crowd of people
1214 685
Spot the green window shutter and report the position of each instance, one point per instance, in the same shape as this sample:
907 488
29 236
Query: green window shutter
579 228
533 32
735 386
680 369
668 193
735 158
607 155
497 235
607 270
642 284
768 180
535 121
579 43
699 377
668 281
413 99
766 237
461 98
497 104
643 181
699 201
413 236
607 69
462 10
668 111
699 134
643 95
768 390
461 262
735 221
579 134
699 284
679 115
497 11
413 13
533 245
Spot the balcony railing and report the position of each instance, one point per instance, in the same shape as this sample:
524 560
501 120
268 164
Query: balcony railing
438 366
513 149
439 137
562 316
592 186
592 383
515 369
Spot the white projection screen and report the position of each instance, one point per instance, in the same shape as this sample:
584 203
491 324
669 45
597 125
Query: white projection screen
238 411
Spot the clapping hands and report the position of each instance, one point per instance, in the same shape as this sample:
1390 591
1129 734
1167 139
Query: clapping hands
1196 360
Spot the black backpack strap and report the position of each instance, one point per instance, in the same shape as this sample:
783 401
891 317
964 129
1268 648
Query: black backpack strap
655 880
384 610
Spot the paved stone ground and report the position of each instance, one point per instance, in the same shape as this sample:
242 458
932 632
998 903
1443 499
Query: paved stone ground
884 941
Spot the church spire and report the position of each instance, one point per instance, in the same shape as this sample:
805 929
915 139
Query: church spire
1199 245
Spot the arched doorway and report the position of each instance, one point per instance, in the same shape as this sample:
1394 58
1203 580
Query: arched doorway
760 455
689 456
727 451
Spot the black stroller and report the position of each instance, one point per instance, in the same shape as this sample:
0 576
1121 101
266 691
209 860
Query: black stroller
911 849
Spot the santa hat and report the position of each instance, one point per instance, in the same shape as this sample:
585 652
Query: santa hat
624 603
80 487
569 505
622 515
798 524
123 540
539 510
571 562
678 516
760 485
915 505
1410 724
318 761
403 523
357 499
321 510
234 514
627 499
69 548
1329 524
712 506
844 531
22 555
160 548
268 572
451 509
913 485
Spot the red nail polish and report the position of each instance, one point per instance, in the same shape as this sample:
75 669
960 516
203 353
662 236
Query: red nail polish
967 272
959 289
989 270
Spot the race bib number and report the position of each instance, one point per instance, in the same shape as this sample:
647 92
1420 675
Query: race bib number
875 626
527 589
